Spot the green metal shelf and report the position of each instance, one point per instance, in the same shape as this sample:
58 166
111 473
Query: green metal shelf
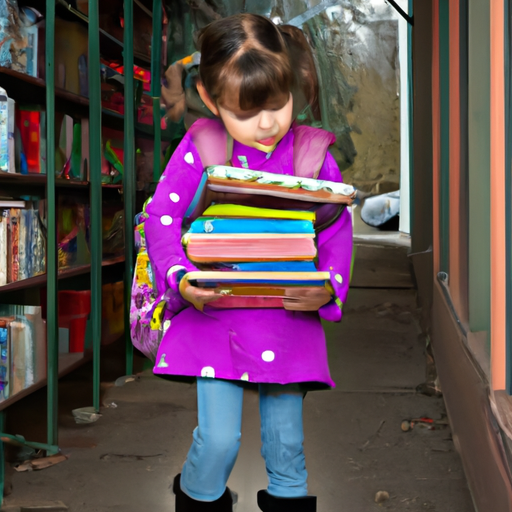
36 91
41 179
63 274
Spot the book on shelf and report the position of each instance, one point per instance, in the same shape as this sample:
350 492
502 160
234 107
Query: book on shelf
7 109
22 241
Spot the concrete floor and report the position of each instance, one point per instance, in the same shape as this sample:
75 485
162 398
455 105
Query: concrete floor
354 443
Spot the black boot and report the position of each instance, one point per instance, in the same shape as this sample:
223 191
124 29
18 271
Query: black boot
269 503
185 503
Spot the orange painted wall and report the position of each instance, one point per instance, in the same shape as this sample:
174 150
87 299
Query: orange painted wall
498 224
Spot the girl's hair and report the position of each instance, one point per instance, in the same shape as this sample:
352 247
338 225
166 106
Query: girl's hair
249 53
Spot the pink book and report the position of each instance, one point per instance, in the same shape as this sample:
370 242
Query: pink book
239 247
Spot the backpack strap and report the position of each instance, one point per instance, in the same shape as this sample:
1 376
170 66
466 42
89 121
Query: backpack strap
309 149
214 144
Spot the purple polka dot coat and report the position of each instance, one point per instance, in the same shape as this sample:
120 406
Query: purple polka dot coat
255 345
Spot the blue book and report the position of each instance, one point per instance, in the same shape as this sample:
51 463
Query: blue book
268 266
250 225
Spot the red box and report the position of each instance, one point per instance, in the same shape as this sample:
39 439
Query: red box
74 309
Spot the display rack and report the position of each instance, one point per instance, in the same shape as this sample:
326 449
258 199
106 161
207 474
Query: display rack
44 92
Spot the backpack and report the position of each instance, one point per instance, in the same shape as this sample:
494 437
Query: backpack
151 312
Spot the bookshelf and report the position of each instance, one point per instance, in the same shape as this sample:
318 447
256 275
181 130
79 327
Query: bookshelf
24 86
66 364
53 99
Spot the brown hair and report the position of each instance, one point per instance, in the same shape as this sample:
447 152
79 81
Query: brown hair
304 64
261 60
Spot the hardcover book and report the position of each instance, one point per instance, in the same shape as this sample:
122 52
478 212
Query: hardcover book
221 178
296 291
202 247
222 184
241 211
216 225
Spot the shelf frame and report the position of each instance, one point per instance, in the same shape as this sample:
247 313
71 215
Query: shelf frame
65 273
20 83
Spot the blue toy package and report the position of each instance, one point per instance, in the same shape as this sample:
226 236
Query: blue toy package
4 363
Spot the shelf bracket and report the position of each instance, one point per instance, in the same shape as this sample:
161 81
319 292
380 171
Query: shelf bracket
49 448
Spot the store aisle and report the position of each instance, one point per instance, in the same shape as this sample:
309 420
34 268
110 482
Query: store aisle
355 446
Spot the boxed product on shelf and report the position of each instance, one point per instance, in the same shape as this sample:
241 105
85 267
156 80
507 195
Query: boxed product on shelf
112 315
74 309
7 109
73 224
22 36
22 348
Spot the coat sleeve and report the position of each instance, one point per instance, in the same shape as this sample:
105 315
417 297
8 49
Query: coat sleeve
335 249
174 193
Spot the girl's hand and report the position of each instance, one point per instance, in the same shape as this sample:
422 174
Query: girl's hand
174 276
198 297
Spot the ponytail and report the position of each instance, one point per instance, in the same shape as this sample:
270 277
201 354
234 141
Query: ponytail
303 62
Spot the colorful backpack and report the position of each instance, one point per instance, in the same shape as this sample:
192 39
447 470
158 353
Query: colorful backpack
150 311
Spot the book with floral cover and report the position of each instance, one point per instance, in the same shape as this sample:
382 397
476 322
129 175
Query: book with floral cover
221 178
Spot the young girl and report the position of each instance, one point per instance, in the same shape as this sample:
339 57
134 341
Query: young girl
252 79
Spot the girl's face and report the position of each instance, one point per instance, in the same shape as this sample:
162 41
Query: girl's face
259 128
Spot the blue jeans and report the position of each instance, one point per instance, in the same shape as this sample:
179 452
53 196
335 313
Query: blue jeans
216 440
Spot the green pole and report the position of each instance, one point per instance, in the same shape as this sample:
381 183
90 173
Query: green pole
51 247
96 192
129 173
156 52
444 73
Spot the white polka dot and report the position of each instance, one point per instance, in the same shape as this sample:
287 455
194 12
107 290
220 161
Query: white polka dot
167 324
174 197
166 220
268 356
162 178
245 377
338 278
208 371
162 363
189 158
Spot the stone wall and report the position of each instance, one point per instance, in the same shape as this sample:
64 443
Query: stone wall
355 43
356 48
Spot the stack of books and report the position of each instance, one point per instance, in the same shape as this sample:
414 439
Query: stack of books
256 257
